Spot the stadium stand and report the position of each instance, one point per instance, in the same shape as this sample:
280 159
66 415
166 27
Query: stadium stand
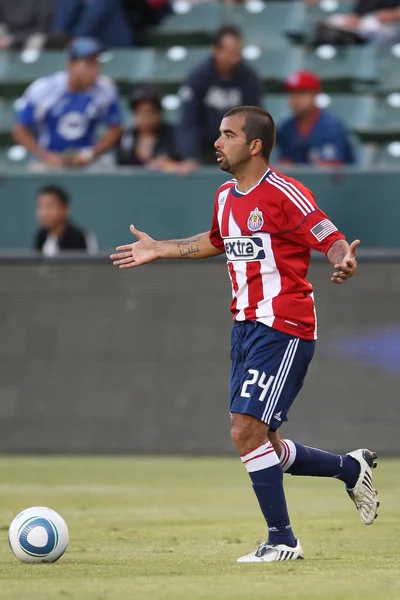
384 124
388 66
318 13
267 24
354 110
190 24
361 84
387 155
343 69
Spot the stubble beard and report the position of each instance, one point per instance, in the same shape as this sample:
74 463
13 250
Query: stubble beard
225 166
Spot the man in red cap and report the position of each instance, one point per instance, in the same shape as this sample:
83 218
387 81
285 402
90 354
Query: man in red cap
311 135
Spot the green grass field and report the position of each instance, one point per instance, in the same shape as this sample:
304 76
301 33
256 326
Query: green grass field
171 529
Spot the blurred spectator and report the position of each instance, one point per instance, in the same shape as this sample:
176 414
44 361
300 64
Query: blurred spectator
151 142
311 135
376 21
221 82
25 22
65 109
102 19
229 2
56 231
142 14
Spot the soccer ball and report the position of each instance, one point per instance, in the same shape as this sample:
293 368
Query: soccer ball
38 535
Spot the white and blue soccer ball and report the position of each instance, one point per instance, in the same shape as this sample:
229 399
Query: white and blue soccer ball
38 535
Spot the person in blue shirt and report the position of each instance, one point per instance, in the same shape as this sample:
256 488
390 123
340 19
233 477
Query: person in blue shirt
311 135
59 115
216 85
103 19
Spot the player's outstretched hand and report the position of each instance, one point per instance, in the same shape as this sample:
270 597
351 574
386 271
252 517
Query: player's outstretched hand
136 254
348 266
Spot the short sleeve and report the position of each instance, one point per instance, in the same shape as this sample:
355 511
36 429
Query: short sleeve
27 106
109 98
302 221
26 112
316 231
215 233
113 114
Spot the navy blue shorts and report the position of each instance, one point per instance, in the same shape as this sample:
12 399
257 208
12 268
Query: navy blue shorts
268 371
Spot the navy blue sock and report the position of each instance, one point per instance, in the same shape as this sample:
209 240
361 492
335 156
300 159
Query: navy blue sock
266 473
297 459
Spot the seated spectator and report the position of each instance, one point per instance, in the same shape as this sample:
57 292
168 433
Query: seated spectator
151 142
221 82
65 109
25 22
57 233
376 21
102 19
311 135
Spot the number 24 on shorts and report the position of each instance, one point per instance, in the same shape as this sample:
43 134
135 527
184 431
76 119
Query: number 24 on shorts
260 380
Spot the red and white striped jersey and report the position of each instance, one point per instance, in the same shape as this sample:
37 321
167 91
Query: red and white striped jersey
267 234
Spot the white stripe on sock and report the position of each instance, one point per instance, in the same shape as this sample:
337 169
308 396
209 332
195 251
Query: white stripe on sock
288 455
261 458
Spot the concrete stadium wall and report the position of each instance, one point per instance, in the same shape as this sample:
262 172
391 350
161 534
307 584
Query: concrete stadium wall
362 203
98 360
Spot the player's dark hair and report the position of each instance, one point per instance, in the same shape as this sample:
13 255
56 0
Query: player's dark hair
258 125
226 30
60 193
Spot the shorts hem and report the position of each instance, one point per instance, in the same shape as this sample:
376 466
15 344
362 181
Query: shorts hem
273 424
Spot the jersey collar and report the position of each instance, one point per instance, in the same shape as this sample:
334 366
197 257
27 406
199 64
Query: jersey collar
238 193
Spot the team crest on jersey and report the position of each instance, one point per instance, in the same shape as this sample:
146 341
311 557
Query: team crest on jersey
255 220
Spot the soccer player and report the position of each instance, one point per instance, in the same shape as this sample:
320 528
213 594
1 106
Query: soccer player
267 224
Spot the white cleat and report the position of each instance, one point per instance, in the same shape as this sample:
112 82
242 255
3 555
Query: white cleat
274 552
363 494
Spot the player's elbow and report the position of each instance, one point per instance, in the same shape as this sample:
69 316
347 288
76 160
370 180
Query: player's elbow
19 132
115 133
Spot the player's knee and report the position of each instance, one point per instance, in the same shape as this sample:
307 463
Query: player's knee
247 433
275 441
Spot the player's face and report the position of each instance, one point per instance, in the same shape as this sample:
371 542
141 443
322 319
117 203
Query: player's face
147 116
84 71
50 211
232 148
228 54
302 103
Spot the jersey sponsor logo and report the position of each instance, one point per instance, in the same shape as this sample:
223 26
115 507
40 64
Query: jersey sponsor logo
221 98
255 220
186 93
73 126
244 248
322 229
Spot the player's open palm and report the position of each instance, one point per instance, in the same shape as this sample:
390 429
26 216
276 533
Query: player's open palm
348 265
139 253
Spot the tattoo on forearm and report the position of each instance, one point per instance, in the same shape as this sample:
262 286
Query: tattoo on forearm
189 251
188 241
188 247
338 251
